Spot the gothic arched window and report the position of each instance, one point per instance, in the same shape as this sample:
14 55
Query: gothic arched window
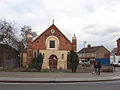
35 52
62 56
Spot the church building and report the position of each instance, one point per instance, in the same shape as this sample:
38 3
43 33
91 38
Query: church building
53 45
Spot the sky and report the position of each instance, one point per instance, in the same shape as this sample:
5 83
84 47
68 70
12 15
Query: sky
95 21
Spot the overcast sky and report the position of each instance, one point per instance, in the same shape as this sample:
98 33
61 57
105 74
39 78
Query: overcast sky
95 21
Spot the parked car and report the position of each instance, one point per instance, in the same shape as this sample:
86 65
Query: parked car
84 63
119 63
115 60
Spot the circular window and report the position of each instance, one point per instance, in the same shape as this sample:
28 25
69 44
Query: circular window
52 31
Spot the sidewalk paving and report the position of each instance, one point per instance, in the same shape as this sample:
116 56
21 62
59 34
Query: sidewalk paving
44 77
56 77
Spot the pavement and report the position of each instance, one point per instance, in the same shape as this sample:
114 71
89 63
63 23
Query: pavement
47 77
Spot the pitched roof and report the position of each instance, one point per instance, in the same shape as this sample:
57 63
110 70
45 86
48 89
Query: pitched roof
118 39
55 29
7 47
90 49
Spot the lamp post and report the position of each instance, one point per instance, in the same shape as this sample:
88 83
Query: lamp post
113 63
84 48
84 43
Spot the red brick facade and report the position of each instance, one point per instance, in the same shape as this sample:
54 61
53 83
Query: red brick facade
40 42
74 43
118 46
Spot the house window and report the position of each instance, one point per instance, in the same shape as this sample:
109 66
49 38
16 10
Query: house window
62 56
52 43
35 54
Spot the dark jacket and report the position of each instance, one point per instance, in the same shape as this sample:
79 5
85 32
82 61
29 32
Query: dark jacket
98 65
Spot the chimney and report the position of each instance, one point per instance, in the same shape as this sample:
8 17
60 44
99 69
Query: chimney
89 46
74 43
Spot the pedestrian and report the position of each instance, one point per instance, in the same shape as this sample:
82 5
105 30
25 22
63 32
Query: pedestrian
98 67
95 66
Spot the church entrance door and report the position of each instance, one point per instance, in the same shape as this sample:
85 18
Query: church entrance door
53 62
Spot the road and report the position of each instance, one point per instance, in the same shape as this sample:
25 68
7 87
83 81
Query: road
114 85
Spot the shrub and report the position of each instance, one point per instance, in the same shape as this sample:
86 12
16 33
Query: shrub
37 62
72 61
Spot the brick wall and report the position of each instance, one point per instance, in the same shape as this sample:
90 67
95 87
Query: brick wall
64 43
118 46
40 42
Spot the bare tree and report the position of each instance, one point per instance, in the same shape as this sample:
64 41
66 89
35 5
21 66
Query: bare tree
7 31
24 31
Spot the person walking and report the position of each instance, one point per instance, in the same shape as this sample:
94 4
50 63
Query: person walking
98 68
95 67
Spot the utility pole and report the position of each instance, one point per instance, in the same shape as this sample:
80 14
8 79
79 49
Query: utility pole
113 64
84 48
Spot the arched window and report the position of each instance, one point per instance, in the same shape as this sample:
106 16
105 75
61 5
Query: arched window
68 52
35 52
38 52
62 56
52 44
43 55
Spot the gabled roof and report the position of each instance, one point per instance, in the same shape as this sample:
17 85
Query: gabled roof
118 39
55 29
90 49
8 47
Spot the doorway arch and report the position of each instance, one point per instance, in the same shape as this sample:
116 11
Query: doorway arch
53 62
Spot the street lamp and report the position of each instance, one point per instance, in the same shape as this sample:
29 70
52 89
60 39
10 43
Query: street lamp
84 47
84 53
113 63
84 43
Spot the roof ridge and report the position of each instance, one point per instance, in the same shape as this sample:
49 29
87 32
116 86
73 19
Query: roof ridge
48 29
91 49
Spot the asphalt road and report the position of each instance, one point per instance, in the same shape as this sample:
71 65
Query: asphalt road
114 85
